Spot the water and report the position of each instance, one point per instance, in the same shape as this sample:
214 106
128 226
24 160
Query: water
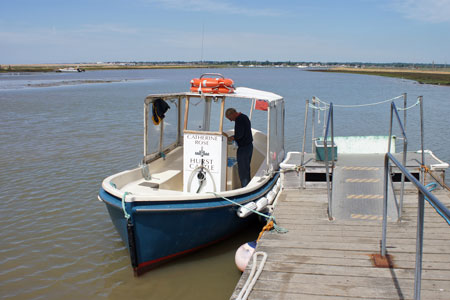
62 134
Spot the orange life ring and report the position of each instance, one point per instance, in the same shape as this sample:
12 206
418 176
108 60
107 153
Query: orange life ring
212 90
212 82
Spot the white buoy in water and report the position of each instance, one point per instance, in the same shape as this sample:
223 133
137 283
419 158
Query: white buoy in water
243 255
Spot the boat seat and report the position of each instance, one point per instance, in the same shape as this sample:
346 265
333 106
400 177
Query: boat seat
159 179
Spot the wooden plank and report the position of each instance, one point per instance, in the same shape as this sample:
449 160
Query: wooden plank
322 259
299 290
354 254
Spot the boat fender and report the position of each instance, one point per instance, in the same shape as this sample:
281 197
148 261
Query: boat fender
271 196
246 210
243 255
261 203
279 183
276 189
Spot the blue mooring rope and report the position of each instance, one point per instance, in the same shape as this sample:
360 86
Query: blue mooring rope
126 215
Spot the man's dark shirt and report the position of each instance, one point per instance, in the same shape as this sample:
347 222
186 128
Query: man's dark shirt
242 131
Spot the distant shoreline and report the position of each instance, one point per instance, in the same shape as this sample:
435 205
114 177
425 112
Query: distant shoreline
91 67
421 76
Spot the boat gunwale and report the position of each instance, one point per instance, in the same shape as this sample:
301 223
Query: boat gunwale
252 194
179 195
258 181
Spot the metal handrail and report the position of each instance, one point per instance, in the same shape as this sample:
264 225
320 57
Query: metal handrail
302 162
423 192
394 112
329 127
327 171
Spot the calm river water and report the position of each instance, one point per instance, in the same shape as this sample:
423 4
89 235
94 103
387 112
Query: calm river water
62 134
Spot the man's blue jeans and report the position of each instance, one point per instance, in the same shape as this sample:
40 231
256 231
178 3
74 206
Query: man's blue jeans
244 157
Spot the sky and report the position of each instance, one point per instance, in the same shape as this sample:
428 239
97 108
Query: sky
75 31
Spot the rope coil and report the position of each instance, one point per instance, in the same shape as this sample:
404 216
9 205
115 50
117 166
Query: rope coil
253 277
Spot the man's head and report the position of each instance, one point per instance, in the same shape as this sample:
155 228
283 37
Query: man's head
231 114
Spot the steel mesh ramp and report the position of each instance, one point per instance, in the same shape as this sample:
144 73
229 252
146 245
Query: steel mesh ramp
358 188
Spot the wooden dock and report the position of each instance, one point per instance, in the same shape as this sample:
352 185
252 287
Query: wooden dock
322 259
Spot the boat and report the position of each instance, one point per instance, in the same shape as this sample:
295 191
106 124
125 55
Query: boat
186 193
70 70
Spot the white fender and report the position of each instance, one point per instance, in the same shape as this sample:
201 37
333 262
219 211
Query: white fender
245 211
261 203
271 196
276 189
279 183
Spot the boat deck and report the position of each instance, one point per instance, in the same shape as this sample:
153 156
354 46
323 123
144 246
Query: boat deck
322 259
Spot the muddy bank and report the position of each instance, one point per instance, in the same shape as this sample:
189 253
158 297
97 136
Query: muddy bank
421 76
72 82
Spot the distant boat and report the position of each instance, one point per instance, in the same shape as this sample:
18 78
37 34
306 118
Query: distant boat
70 70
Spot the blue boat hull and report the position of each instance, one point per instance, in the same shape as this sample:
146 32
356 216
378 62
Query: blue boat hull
160 231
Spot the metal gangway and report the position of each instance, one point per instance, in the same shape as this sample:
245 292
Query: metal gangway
363 184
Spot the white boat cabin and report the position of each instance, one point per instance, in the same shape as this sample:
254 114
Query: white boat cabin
192 138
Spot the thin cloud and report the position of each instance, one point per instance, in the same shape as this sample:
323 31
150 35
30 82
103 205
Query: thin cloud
431 11
224 7
107 28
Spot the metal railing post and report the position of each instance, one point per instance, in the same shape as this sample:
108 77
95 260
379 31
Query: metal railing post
146 112
332 139
385 199
327 170
390 128
313 126
402 189
394 111
419 247
405 104
423 194
437 205
303 145
420 215
422 173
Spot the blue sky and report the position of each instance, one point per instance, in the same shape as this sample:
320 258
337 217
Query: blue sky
58 31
